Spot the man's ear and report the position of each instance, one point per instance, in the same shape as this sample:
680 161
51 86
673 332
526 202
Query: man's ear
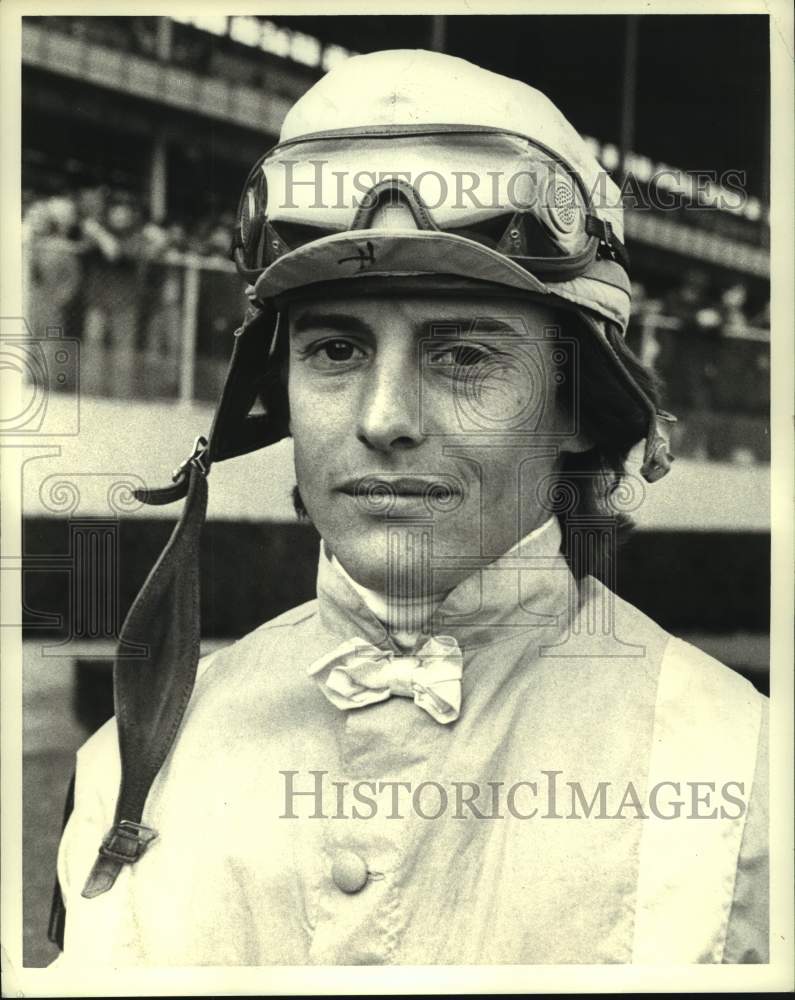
577 443
298 505
570 433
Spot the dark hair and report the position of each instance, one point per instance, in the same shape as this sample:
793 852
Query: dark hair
593 494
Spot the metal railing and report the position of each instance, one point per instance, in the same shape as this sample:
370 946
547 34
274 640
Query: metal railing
148 328
716 381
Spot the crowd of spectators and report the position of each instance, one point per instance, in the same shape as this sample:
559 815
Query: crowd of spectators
102 271
709 345
725 310
116 224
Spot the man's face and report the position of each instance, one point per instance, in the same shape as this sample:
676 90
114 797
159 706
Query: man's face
435 411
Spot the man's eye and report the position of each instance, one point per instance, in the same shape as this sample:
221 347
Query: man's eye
459 355
336 352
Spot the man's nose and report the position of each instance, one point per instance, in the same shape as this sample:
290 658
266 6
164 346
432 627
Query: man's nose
389 413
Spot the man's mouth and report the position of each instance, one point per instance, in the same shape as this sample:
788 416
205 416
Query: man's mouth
379 493
399 485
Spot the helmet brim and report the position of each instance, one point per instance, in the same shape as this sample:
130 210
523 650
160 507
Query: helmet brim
358 254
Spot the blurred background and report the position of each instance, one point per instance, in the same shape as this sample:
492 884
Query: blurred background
137 135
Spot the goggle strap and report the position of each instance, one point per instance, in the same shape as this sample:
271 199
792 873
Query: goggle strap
236 243
610 245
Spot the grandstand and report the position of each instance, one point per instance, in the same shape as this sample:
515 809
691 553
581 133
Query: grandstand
137 133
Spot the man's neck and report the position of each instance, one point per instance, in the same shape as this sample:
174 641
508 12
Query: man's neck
405 616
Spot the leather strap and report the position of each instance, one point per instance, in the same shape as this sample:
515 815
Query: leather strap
164 495
151 693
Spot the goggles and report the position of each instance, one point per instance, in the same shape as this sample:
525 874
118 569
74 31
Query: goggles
467 200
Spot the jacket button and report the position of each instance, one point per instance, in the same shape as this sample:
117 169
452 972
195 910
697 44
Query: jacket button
349 872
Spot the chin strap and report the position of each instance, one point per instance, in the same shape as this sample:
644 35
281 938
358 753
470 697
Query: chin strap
152 691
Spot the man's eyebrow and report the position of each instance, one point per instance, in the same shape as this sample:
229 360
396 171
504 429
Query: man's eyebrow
473 325
349 323
337 322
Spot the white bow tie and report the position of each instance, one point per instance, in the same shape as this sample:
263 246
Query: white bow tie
357 673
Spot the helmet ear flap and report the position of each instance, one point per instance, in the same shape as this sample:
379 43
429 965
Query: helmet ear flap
251 373
272 393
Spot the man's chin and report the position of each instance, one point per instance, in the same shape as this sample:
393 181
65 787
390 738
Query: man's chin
394 561
382 553
366 564
400 564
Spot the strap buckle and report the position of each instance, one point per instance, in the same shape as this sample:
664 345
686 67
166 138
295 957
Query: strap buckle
657 457
197 458
127 841
609 244
601 228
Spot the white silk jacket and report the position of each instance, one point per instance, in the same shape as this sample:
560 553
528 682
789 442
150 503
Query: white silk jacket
602 798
